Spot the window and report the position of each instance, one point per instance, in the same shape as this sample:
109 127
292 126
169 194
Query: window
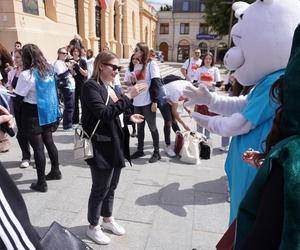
164 28
202 6
184 28
185 6
203 28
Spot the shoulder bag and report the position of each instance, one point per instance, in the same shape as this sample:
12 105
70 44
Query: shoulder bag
60 238
83 148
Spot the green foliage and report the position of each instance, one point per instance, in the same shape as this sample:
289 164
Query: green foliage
217 15
166 7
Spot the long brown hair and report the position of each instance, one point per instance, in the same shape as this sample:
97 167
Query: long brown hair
5 58
102 57
33 57
274 135
145 57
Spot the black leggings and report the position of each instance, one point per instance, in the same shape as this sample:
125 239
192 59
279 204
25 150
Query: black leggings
37 142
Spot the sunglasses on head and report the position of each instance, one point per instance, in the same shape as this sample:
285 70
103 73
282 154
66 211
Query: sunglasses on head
114 67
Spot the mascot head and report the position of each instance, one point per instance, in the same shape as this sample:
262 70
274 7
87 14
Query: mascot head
262 37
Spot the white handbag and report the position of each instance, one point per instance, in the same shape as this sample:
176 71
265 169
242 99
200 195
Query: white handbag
190 152
83 147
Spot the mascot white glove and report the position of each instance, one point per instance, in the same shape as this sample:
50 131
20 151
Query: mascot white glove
202 120
200 95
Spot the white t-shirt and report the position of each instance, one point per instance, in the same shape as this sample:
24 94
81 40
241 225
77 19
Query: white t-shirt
26 86
174 90
90 66
213 71
191 65
152 71
61 67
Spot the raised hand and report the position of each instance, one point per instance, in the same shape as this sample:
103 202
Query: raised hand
200 95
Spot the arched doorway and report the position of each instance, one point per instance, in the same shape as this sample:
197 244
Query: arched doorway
164 47
203 47
221 51
183 51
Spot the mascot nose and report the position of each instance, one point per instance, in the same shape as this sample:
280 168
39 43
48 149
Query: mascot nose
234 58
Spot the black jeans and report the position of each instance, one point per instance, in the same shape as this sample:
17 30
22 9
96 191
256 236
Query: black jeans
68 96
150 118
169 121
105 182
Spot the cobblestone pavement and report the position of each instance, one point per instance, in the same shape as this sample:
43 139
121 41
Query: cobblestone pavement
167 205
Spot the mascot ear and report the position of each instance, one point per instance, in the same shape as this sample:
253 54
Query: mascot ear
266 1
239 8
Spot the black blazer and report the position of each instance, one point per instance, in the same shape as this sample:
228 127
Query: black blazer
110 141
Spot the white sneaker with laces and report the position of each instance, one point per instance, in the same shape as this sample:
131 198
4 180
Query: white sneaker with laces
114 227
24 164
96 234
169 151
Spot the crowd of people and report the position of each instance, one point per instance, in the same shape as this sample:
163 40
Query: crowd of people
82 90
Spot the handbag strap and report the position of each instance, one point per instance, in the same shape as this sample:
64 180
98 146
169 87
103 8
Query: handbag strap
99 119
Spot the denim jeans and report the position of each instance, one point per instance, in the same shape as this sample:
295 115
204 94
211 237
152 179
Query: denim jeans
150 118
68 96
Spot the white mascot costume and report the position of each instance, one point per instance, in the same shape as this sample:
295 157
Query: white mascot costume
263 39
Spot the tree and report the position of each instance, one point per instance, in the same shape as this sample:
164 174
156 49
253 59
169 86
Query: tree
217 15
166 7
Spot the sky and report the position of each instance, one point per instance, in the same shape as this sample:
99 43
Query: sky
157 3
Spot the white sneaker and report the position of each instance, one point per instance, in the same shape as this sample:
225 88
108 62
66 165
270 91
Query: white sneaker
24 164
169 151
114 227
224 149
96 234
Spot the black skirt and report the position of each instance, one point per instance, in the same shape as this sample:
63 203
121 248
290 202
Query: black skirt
30 120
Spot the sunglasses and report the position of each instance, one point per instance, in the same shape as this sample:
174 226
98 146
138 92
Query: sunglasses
63 53
114 67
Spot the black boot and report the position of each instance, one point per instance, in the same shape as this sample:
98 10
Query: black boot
155 157
40 186
137 154
54 175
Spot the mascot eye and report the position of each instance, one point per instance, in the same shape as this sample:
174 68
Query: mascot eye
241 16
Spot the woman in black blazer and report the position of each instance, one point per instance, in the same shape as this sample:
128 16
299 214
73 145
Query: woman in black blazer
110 141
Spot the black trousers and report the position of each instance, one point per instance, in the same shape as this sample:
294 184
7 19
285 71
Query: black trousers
76 118
101 201
21 136
150 118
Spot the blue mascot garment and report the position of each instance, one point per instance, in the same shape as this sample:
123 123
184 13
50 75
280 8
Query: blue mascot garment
260 112
46 97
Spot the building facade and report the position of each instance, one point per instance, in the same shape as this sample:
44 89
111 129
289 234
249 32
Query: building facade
184 28
53 23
